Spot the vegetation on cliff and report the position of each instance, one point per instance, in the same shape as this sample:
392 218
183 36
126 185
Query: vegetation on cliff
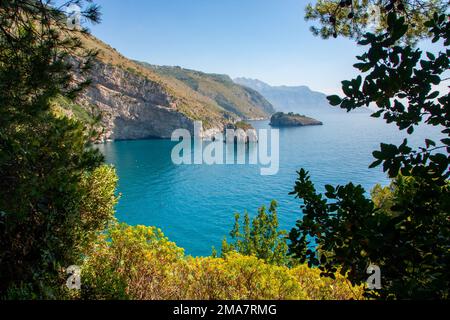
122 83
243 125
241 101
136 92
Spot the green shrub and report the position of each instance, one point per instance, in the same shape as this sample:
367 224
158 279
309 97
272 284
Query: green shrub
260 238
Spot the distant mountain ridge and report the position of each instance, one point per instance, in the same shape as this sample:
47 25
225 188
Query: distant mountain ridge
298 99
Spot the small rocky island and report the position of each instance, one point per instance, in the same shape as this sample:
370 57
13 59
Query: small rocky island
241 132
291 119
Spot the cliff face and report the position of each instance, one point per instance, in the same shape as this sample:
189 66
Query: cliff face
136 102
132 106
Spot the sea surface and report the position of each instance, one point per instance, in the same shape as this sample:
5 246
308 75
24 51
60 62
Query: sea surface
195 205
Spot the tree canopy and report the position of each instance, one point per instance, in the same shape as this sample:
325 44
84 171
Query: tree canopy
354 18
405 229
55 195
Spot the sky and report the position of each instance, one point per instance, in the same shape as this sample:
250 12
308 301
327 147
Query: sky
267 40
264 39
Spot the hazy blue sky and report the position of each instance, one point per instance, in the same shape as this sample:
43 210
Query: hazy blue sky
264 39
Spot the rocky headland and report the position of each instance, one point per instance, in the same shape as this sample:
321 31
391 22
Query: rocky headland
281 119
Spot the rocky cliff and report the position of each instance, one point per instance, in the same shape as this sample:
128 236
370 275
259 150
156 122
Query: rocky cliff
132 106
137 102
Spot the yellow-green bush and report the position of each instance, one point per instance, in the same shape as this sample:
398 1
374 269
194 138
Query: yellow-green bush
97 201
237 277
141 263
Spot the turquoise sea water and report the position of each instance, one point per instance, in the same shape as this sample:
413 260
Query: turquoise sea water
194 205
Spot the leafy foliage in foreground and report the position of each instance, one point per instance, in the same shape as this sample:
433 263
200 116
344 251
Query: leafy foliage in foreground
140 263
406 229
55 195
401 84
353 18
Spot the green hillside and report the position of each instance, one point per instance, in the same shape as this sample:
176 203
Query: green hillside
211 98
242 101
187 101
